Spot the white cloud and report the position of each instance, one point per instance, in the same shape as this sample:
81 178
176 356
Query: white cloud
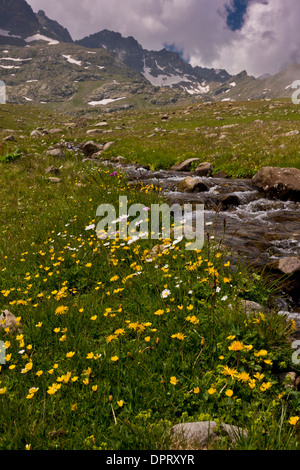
268 40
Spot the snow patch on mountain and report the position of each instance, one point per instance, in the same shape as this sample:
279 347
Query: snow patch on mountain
5 33
198 90
41 37
71 60
105 101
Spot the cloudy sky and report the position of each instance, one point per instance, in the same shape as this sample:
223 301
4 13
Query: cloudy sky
261 36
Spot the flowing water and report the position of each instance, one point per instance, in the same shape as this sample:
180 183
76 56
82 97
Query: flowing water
248 223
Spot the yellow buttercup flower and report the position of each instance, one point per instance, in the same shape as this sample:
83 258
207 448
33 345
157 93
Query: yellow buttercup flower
294 420
159 312
61 310
173 381
70 354
236 346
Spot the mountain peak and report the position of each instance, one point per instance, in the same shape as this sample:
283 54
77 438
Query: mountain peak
18 22
17 17
160 68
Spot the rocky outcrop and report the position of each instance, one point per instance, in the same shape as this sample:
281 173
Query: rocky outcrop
199 435
279 183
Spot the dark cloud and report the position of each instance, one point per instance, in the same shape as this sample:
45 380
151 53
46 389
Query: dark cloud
257 35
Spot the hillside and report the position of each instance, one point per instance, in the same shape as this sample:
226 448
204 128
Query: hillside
41 63
75 78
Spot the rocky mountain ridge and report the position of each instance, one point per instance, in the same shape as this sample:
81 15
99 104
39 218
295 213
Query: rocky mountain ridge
40 62
160 68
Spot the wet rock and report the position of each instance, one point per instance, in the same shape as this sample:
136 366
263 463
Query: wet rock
186 165
220 174
229 202
204 169
200 434
290 267
192 185
280 183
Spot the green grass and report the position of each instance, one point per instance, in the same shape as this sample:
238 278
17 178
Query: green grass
119 365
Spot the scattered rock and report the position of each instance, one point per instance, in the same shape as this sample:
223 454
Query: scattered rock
249 306
107 145
52 170
200 434
8 320
118 159
102 124
9 138
96 156
186 165
93 160
288 379
280 183
57 153
91 147
204 169
229 126
192 185
70 125
290 134
94 131
207 136
36 133
54 180
55 131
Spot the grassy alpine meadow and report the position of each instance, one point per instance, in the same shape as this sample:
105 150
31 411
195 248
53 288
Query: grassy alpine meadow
116 341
